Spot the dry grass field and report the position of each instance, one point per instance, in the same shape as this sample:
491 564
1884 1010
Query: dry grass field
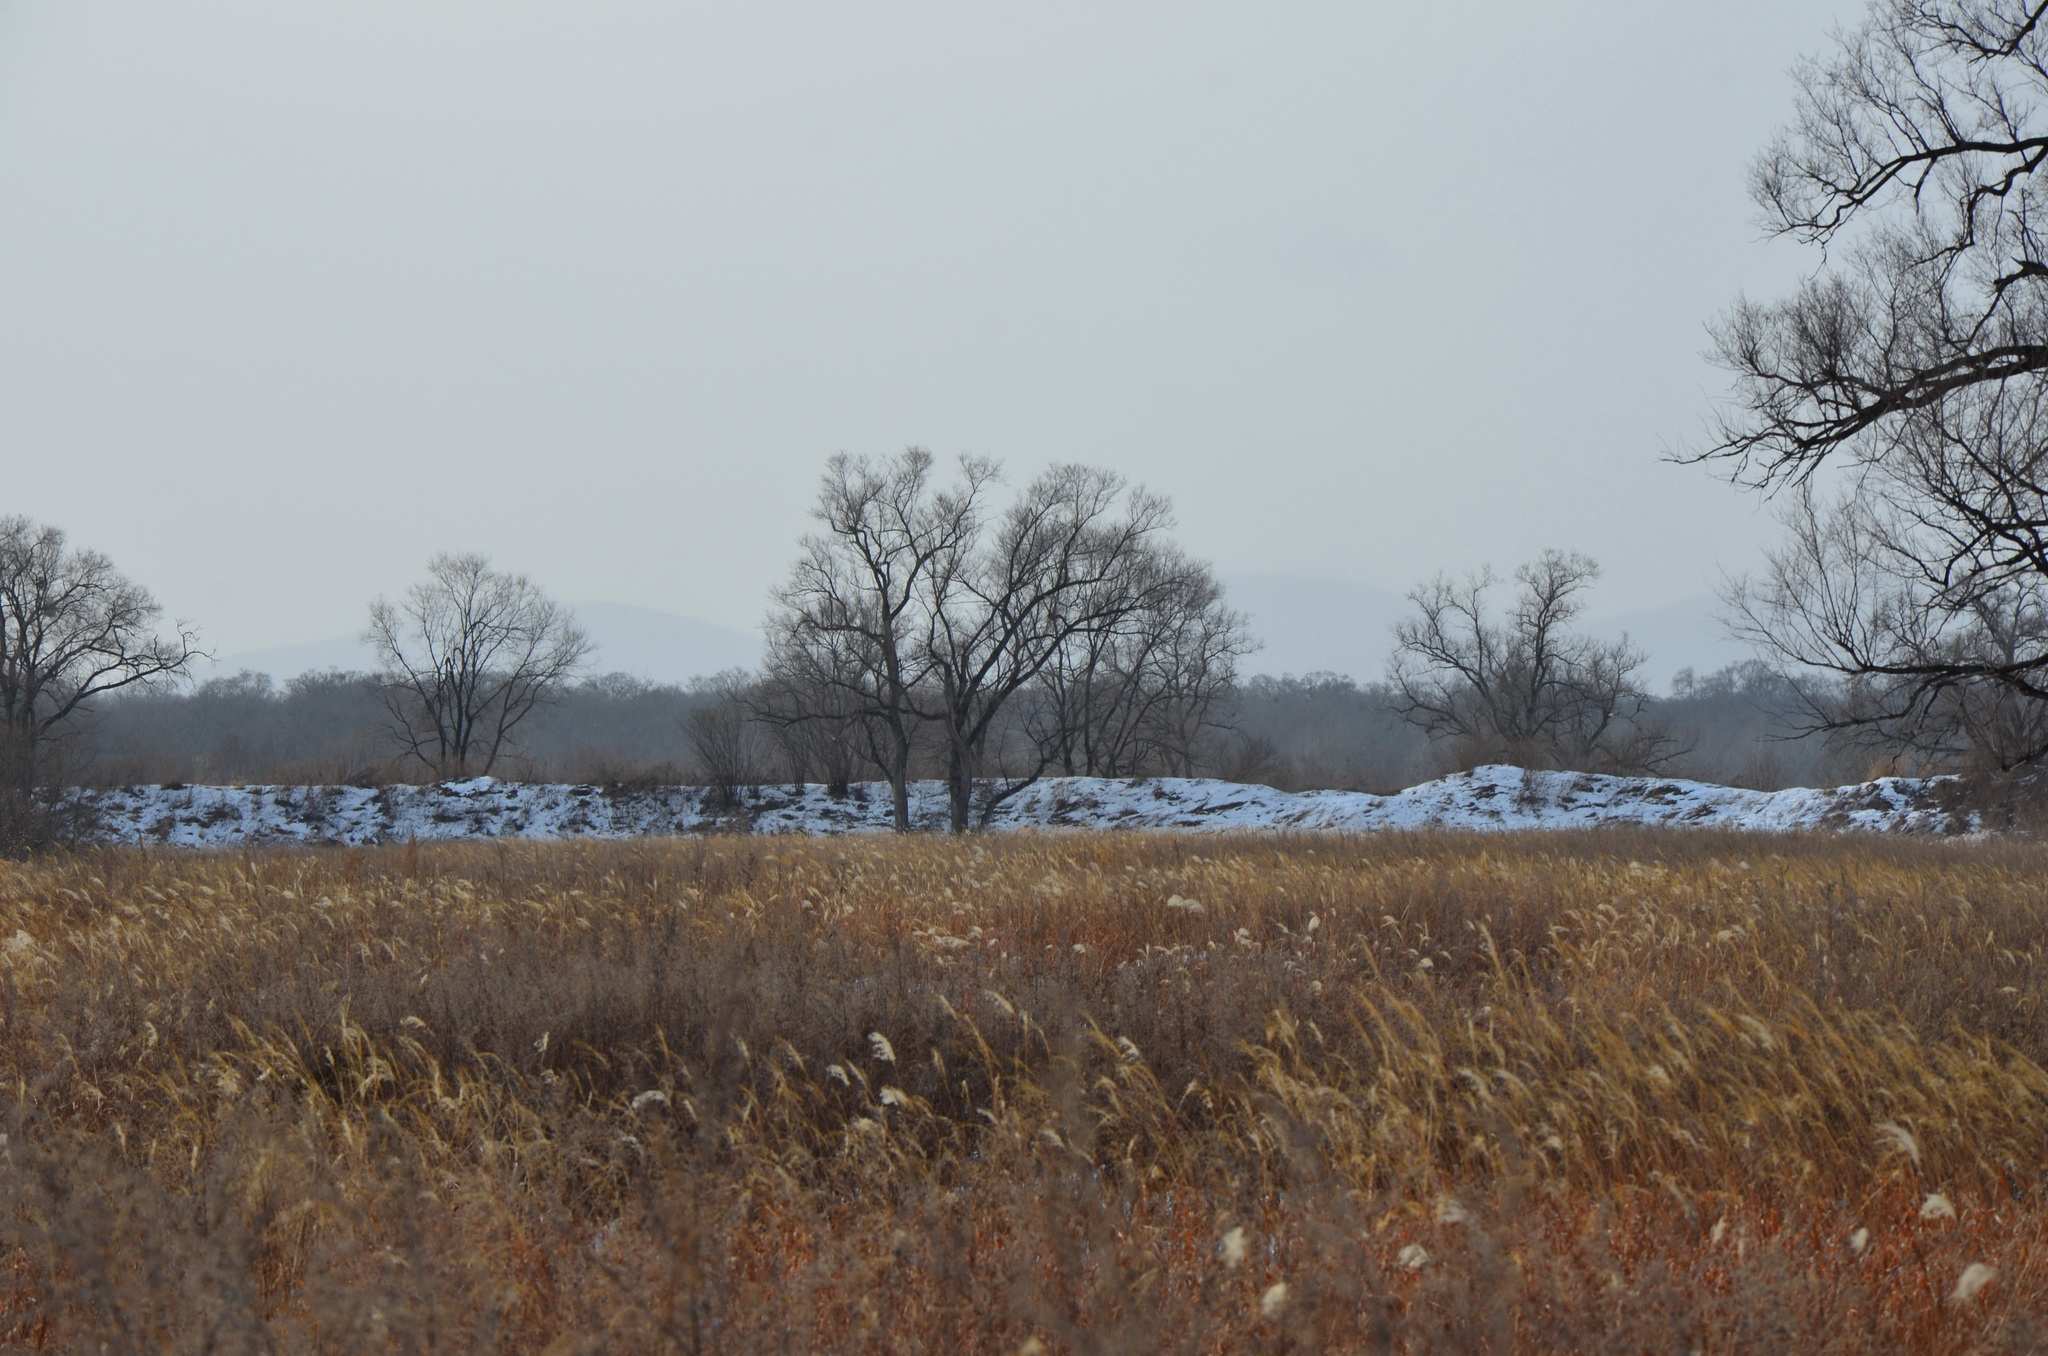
1034 1093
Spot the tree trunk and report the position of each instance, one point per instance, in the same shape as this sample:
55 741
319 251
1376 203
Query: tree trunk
959 788
899 800
898 773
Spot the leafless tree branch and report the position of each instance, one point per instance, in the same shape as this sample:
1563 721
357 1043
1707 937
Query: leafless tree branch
466 658
1523 687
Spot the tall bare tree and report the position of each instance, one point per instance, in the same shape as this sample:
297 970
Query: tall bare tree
1912 160
848 632
1140 688
467 656
923 611
1523 686
72 629
1061 561
1915 361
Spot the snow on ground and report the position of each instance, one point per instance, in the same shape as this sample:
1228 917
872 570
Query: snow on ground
1485 798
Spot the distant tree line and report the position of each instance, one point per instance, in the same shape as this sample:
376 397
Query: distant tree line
1737 726
1896 402
333 728
931 627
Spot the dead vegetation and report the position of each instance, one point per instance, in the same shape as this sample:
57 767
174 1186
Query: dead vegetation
1037 1093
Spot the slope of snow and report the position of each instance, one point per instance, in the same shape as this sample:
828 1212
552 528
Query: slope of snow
1485 798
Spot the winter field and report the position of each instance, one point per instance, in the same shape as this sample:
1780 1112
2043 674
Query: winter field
1618 1090
1487 798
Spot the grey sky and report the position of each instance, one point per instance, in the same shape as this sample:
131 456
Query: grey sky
292 296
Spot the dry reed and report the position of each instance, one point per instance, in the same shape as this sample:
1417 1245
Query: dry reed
1040 1092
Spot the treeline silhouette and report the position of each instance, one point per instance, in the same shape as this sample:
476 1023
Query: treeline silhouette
1738 726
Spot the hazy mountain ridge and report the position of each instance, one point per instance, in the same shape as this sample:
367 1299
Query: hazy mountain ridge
1310 624
662 647
1306 624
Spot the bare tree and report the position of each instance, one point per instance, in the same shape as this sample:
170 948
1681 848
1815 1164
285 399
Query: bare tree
72 629
1523 687
1182 666
469 655
1925 633
1059 563
815 725
848 630
1140 689
1911 160
920 610
1916 361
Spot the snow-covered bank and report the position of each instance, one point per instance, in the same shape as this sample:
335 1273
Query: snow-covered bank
1485 798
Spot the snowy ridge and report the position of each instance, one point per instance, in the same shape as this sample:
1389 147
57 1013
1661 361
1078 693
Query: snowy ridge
1484 798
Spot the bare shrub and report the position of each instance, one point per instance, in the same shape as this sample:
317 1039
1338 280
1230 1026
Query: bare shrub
725 738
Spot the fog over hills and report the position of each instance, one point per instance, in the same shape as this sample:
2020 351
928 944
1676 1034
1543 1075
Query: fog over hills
662 647
1681 635
1307 624
1312 625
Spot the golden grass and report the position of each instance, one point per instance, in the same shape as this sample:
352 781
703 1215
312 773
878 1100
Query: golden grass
1040 1092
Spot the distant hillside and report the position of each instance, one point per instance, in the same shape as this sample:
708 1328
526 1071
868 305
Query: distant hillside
1313 624
1307 624
662 647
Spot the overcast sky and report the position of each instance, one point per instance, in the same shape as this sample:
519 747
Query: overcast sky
294 295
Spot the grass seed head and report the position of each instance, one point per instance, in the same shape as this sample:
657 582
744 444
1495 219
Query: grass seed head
1895 1136
1975 1277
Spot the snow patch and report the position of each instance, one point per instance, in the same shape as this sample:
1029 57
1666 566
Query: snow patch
1496 797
